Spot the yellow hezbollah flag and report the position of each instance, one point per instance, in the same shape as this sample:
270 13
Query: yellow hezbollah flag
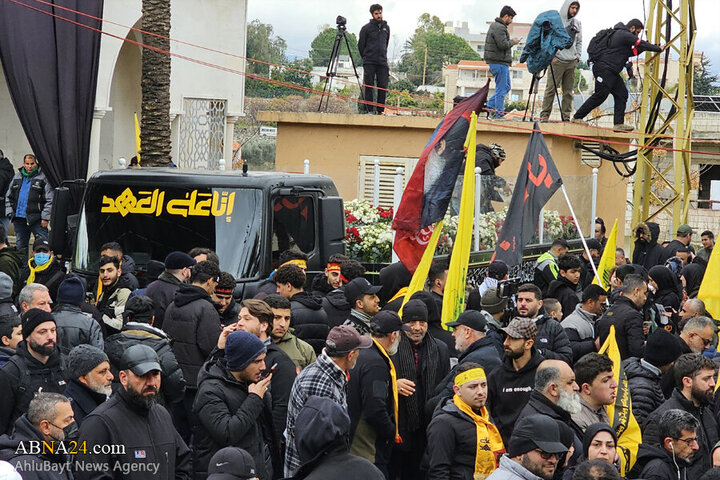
607 261
620 412
421 272
137 137
454 296
710 286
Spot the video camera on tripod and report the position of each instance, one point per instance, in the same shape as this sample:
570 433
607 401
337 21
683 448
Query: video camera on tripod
334 61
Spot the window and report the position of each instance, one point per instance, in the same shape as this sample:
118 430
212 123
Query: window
517 74
293 224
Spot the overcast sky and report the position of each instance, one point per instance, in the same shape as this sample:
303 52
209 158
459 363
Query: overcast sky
298 22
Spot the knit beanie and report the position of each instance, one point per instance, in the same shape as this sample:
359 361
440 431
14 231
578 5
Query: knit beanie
83 359
32 318
491 303
241 348
6 285
662 348
71 291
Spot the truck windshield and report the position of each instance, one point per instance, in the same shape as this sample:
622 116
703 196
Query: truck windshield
151 222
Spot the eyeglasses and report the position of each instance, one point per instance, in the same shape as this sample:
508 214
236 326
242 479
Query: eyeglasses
548 456
688 441
706 341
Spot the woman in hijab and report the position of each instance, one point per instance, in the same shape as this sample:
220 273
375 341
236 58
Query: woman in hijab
665 286
599 442
693 275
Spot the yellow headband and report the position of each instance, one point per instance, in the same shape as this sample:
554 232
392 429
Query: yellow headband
469 375
300 263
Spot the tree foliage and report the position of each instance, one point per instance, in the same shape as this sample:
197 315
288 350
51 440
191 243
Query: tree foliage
263 45
704 82
322 44
441 49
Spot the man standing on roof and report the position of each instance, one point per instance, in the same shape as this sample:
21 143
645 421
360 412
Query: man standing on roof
372 45
498 56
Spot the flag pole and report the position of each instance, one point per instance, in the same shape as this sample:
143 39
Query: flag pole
582 237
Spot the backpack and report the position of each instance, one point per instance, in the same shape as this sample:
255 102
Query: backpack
599 43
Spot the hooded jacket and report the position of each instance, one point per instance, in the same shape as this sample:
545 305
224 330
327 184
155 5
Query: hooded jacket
75 328
667 293
392 278
148 435
622 45
661 464
83 399
551 341
11 262
580 329
336 307
565 292
309 320
39 197
231 416
590 432
51 277
128 272
322 442
644 387
509 391
193 324
498 45
46 466
648 254
628 321
694 274
162 292
22 376
373 42
574 29
299 351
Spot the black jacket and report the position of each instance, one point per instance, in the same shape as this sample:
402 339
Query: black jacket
707 433
128 272
172 386
336 307
5 354
230 416
19 385
11 262
540 405
82 399
551 341
628 321
230 315
373 42
565 292
39 199
509 391
7 172
162 292
147 434
659 464
51 277
498 45
74 327
648 254
33 467
7 307
644 386
320 286
281 384
309 320
622 45
193 324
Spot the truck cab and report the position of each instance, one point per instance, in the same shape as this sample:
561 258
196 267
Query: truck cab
248 219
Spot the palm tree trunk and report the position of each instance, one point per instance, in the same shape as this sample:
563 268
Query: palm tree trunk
155 123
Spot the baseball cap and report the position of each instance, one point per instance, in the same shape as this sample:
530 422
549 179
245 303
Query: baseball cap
387 321
684 229
497 270
535 431
358 287
472 319
521 327
140 359
414 311
41 243
343 339
231 463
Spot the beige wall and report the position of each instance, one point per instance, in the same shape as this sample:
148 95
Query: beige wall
334 143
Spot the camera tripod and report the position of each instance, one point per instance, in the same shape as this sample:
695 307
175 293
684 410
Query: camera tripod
334 61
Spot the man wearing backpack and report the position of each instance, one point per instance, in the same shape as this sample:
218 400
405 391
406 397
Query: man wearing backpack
562 70
609 52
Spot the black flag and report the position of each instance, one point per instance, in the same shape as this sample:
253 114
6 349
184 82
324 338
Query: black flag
537 181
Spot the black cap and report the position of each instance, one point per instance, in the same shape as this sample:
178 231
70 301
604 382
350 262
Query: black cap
178 260
472 319
387 321
536 431
497 270
140 359
594 244
359 287
414 311
231 463
41 243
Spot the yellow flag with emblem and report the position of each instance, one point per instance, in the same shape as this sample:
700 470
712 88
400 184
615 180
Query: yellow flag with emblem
607 261
454 295
421 272
620 413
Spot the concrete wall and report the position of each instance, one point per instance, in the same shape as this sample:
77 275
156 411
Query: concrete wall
12 140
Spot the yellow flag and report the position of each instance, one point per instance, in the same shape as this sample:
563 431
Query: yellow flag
607 261
620 412
454 296
710 286
137 137
421 272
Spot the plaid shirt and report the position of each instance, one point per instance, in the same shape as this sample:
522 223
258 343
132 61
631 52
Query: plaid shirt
322 378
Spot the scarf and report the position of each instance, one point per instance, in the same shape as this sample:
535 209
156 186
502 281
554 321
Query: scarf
428 358
393 380
27 174
34 270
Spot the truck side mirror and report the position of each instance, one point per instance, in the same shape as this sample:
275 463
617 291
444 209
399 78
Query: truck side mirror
332 226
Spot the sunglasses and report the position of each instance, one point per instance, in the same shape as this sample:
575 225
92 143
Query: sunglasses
548 456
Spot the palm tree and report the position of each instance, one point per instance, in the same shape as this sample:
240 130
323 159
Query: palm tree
155 124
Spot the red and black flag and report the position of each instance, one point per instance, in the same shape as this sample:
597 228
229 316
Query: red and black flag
537 181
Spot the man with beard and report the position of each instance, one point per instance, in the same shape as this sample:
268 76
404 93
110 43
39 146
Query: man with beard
228 308
162 291
464 440
373 394
580 323
695 384
37 365
372 44
552 341
90 380
421 363
49 419
647 252
299 351
509 385
556 396
594 375
534 450
364 304
132 417
115 293
114 249
669 456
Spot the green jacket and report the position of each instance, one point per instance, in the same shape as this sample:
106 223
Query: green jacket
299 351
11 260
